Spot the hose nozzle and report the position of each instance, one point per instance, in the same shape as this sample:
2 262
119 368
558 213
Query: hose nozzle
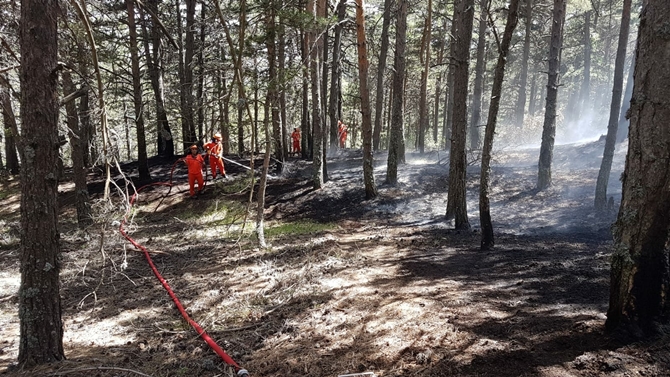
242 373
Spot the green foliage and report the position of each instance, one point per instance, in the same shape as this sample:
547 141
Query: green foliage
303 227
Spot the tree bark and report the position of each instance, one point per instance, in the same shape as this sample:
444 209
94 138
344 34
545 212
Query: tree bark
241 101
262 183
523 75
488 241
11 129
396 153
479 77
224 106
449 118
273 84
533 95
622 133
142 164
423 97
185 131
366 117
586 82
154 57
640 274
77 148
381 70
317 114
615 107
335 90
41 326
189 53
456 201
438 89
306 137
200 90
281 59
549 127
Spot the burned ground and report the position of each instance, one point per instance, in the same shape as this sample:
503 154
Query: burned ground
347 285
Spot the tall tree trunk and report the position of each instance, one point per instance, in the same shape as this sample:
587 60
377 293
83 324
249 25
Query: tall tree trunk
315 45
335 90
381 70
322 7
622 133
77 148
200 100
306 135
586 82
142 164
126 128
240 89
549 128
523 76
256 107
281 59
499 75
224 106
396 153
164 141
88 130
41 326
322 11
11 129
273 84
479 76
450 82
533 95
260 196
438 89
366 119
189 53
613 123
640 274
456 201
423 97
185 131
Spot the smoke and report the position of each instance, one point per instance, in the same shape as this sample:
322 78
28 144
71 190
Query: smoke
588 126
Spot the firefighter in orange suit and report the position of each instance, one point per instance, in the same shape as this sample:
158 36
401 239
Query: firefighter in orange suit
214 150
296 141
195 163
342 133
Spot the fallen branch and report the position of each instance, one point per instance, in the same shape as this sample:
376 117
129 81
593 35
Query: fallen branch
65 373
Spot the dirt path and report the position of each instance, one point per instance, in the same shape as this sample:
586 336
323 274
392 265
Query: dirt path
351 285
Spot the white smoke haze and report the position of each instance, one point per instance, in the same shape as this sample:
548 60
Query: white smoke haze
589 126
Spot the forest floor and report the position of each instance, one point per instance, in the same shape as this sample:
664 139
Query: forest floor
347 285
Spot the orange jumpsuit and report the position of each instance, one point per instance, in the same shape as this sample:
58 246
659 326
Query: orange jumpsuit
194 164
342 132
214 149
296 141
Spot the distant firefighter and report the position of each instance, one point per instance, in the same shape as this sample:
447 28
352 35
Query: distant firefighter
342 133
214 149
296 141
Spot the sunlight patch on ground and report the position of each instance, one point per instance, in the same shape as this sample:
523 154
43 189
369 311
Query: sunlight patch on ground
9 283
112 331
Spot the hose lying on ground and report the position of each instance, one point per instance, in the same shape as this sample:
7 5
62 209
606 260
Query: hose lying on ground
212 344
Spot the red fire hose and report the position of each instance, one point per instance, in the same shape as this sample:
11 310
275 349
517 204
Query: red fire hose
212 344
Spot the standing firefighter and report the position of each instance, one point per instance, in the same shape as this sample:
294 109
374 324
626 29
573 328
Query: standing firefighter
195 163
214 149
342 133
296 141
